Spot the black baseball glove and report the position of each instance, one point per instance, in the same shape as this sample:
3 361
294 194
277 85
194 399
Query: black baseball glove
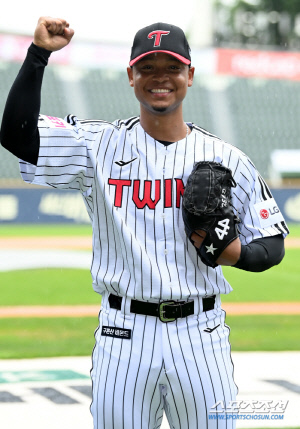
207 206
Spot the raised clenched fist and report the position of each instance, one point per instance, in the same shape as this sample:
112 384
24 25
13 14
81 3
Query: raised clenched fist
52 33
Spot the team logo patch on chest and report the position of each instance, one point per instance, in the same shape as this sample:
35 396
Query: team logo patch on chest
108 331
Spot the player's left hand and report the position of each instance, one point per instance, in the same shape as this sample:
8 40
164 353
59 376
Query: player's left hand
230 254
206 206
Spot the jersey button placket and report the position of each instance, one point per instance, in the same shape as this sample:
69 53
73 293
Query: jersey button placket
161 244
164 215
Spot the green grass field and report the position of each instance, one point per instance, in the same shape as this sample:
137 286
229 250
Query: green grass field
44 230
36 337
47 287
47 337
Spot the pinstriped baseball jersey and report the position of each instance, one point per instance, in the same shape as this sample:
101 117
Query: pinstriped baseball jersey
132 187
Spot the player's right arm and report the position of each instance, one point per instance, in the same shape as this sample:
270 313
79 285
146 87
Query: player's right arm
19 130
52 34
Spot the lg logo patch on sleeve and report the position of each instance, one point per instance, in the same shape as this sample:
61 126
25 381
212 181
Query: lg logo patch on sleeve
268 213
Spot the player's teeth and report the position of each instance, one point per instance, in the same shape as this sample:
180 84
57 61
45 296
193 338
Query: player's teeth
160 90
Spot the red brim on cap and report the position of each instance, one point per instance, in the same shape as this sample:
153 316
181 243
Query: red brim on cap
179 57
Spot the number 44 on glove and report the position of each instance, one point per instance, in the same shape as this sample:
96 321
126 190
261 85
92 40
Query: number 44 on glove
206 206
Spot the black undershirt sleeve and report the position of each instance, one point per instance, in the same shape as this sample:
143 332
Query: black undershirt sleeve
261 254
19 131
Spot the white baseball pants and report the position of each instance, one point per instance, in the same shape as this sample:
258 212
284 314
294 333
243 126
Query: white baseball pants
175 367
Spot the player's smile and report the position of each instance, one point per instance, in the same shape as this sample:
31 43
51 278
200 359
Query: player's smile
160 92
160 82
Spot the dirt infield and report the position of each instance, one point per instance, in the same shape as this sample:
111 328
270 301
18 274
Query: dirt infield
54 242
233 309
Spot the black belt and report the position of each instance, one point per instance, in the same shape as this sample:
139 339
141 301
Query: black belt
167 311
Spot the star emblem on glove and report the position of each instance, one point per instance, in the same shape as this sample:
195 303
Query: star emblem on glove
211 249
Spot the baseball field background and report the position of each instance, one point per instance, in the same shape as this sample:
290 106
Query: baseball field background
262 311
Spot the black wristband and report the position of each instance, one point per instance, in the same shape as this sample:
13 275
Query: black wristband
261 254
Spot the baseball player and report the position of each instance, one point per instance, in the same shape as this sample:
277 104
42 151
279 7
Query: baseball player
162 343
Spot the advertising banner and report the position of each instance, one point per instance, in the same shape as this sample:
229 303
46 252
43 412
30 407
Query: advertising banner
41 206
263 64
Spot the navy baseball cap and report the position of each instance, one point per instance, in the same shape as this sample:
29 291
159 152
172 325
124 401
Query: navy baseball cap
160 37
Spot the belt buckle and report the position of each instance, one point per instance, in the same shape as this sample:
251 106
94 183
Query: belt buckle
161 311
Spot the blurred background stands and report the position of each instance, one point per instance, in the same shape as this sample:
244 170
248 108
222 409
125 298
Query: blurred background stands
257 115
